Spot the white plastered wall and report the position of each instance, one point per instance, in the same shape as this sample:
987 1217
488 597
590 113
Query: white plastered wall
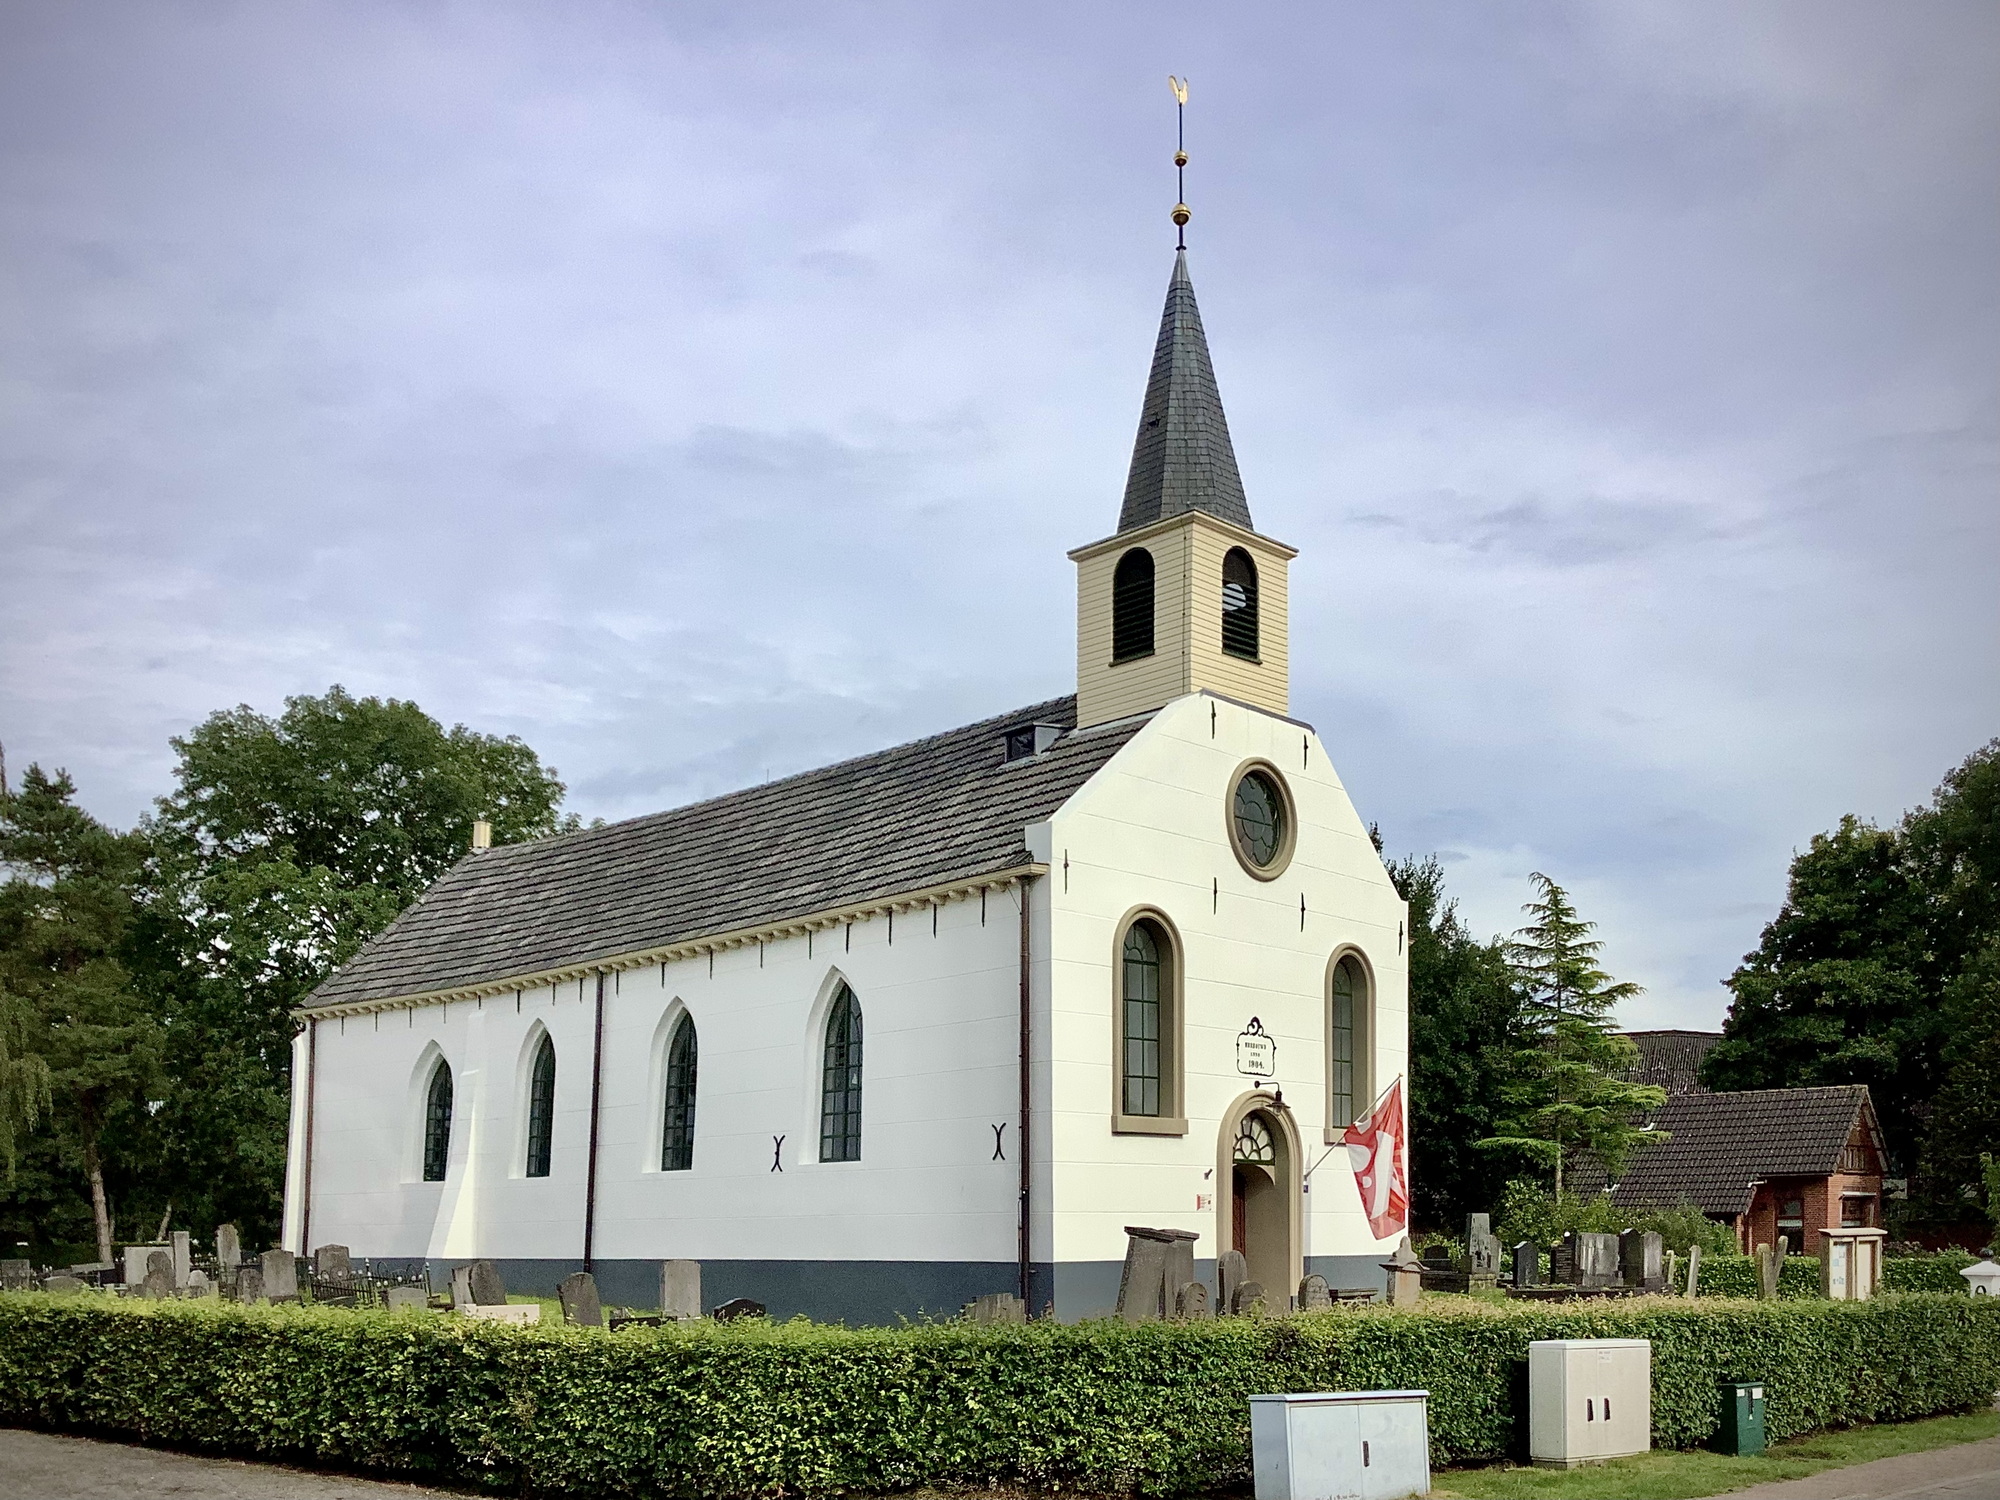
1149 829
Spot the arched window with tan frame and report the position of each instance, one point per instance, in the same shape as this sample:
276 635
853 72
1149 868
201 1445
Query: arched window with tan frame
1350 1039
1147 1008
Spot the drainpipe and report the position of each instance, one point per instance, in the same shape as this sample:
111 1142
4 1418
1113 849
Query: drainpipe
590 1165
1022 1140
306 1171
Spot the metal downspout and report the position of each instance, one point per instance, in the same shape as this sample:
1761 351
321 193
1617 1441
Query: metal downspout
590 1166
1022 1139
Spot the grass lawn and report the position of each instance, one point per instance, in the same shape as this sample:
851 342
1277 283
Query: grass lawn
1685 1476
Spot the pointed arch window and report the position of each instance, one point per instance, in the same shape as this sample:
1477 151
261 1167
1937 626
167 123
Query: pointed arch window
1239 604
1349 1087
1132 606
840 1081
437 1123
677 1131
542 1108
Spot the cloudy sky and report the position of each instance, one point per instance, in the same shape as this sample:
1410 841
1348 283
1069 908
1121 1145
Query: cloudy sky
706 392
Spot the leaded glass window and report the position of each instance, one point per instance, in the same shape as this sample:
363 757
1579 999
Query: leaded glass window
542 1109
1142 1004
840 1087
677 1133
437 1123
1239 604
1347 987
1260 818
1254 1146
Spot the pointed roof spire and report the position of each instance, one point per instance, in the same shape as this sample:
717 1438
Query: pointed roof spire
1182 459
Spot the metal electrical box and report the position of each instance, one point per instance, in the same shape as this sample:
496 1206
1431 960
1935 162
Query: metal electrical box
1341 1445
1589 1400
1741 1431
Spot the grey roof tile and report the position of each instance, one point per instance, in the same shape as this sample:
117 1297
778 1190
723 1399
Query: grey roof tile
923 814
1724 1142
1182 459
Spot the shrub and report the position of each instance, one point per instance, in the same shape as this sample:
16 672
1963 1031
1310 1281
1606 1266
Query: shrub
755 1409
1926 1273
1528 1211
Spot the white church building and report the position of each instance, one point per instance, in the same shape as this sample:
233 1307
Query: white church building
935 1022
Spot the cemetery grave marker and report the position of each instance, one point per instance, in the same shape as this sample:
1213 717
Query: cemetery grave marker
580 1304
739 1307
680 1289
281 1275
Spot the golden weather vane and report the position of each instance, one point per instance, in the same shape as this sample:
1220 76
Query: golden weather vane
1181 214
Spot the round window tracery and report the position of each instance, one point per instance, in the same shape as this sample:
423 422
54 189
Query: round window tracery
1254 1146
1260 819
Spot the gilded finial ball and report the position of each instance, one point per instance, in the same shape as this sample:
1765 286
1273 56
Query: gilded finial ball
1181 214
1180 158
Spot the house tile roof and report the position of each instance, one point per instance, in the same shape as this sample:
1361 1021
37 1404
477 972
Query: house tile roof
924 814
1724 1142
1671 1060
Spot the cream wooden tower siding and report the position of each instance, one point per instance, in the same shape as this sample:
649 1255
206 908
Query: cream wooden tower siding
954 888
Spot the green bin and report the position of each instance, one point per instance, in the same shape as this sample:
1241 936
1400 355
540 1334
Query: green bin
1742 1430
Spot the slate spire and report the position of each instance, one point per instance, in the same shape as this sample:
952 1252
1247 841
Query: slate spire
1182 460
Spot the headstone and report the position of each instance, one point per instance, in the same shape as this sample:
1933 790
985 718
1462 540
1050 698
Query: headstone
461 1288
488 1290
580 1305
199 1285
1406 1276
997 1307
680 1289
250 1283
1482 1246
1527 1264
159 1278
180 1244
1673 1268
61 1281
1156 1262
135 1263
1192 1301
400 1299
16 1275
739 1307
1562 1260
1639 1252
1314 1294
1249 1300
1770 1270
514 1313
330 1263
1439 1258
1597 1260
228 1248
281 1275
1231 1271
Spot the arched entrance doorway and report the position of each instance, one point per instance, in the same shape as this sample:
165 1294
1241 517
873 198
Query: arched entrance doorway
1259 1203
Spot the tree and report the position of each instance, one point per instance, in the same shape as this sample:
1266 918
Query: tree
65 913
1565 1093
1465 1017
286 844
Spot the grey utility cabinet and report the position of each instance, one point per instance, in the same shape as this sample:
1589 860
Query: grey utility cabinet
1589 1400
1341 1445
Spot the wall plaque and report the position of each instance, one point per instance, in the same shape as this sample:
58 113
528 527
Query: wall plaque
1256 1053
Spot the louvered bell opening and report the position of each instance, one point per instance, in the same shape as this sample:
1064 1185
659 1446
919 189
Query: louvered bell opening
1239 604
1132 606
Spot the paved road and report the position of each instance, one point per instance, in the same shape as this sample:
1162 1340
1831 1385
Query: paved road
38 1466
1968 1471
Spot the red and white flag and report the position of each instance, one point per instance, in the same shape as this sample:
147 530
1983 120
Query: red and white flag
1382 1164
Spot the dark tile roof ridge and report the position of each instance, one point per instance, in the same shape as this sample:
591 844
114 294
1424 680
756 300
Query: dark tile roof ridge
1671 1031
1807 1088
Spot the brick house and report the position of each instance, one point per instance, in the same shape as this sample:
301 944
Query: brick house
1767 1162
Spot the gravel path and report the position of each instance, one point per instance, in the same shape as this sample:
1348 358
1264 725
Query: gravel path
40 1466
1966 1471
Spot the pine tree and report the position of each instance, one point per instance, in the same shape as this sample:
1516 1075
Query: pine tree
1566 1094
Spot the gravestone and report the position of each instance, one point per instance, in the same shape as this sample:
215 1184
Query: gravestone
16 1275
180 1244
1314 1294
1639 1252
1249 1300
1192 1301
488 1290
1596 1260
739 1307
1694 1273
135 1263
199 1285
1231 1271
400 1299
1562 1260
62 1281
1770 1269
281 1275
1439 1258
1156 1262
250 1283
330 1263
996 1307
580 1304
680 1289
1406 1275
1673 1266
1482 1254
1527 1264
159 1279
228 1248
461 1288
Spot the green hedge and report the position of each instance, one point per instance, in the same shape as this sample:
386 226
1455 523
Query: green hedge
753 1409
1736 1275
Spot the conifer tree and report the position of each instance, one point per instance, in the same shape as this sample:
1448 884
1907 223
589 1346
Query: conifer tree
1566 1094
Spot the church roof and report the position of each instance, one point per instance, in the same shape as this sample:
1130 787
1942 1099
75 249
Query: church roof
1722 1143
1182 459
925 814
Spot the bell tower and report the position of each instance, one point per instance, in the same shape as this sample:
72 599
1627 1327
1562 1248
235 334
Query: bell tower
1186 595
